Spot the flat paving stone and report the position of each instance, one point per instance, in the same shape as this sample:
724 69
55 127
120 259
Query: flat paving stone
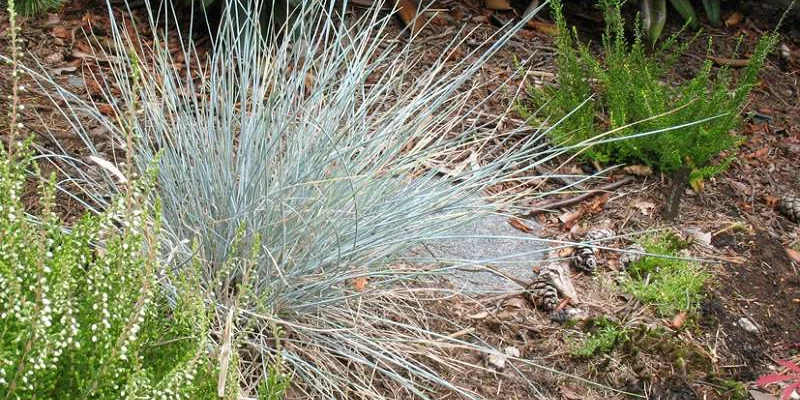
487 240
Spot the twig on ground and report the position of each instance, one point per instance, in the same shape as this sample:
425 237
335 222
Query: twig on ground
562 179
730 62
547 205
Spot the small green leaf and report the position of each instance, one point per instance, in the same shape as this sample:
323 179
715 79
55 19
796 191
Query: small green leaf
686 10
654 16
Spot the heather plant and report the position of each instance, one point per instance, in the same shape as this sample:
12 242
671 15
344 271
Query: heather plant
632 94
33 7
295 172
81 312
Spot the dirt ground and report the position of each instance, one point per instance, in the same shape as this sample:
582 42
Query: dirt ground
753 275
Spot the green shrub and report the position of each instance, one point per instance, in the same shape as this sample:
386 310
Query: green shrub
604 336
33 7
81 311
631 87
668 283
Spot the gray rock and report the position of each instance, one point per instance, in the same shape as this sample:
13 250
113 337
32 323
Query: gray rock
747 325
487 240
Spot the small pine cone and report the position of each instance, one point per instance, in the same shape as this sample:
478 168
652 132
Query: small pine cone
790 208
585 259
543 295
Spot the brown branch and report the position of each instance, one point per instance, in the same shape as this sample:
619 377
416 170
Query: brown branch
546 205
730 62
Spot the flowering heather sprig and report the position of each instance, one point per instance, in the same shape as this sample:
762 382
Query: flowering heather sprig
80 311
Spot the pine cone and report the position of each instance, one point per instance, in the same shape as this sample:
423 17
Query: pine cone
790 207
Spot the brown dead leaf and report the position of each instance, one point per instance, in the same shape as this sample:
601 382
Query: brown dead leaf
308 82
645 207
740 187
734 19
596 205
565 252
52 19
569 219
518 224
772 201
638 169
61 32
541 26
760 153
360 283
514 302
793 254
500 5
578 231
479 315
678 321
106 109
569 394
407 11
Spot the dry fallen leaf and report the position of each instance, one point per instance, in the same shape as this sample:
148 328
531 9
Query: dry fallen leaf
61 32
407 11
596 205
518 224
479 315
360 283
514 302
106 109
502 5
678 320
497 360
569 219
641 170
734 19
772 201
645 207
110 167
544 27
569 394
793 254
